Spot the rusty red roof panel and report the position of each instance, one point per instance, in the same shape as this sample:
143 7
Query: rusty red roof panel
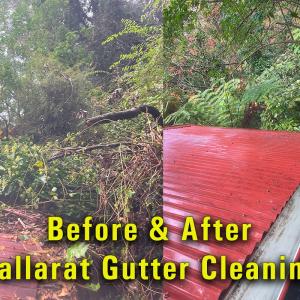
236 175
11 247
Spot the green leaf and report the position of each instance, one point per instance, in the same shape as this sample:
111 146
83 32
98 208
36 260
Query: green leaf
39 164
23 237
93 287
294 14
76 251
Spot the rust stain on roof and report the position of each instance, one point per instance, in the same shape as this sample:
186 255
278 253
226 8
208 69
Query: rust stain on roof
236 175
10 247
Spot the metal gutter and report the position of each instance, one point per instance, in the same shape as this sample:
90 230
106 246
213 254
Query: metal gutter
283 238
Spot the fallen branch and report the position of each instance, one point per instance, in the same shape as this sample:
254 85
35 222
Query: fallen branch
70 151
18 213
125 115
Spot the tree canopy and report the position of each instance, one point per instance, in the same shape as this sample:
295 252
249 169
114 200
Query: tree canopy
66 67
233 63
54 61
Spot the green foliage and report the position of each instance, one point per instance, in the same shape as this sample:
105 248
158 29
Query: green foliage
261 89
129 27
145 75
142 67
70 52
283 100
76 251
52 58
277 89
242 20
253 45
93 286
44 69
219 106
176 14
27 178
54 70
56 93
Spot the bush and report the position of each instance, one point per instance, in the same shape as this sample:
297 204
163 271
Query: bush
67 186
276 92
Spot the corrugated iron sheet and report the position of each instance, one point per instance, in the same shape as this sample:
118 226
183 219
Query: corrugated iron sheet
10 248
236 175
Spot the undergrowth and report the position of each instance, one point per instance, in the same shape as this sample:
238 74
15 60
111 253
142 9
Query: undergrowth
120 185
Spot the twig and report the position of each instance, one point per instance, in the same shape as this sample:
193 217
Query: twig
22 223
288 42
287 23
70 151
19 214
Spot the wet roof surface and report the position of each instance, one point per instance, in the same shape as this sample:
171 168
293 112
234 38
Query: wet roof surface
10 248
236 175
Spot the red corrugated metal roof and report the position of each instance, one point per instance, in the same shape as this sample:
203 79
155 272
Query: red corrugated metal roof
10 248
236 175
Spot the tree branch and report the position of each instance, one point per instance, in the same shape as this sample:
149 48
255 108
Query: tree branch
288 24
125 115
288 42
